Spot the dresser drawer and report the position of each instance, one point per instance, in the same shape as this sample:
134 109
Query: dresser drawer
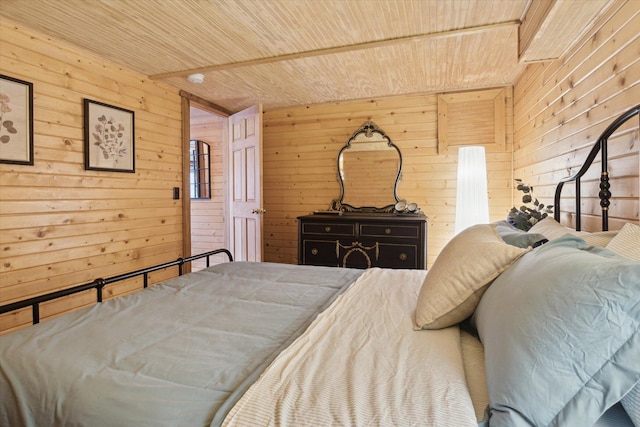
387 230
319 252
398 256
335 229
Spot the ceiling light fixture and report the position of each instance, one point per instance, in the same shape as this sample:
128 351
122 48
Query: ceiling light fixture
196 78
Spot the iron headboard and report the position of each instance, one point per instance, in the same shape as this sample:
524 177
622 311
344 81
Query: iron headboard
604 194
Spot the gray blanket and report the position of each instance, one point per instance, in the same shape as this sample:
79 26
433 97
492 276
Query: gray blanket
176 354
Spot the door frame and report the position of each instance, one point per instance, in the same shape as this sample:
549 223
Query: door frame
187 100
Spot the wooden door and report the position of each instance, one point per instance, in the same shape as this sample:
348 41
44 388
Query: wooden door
245 142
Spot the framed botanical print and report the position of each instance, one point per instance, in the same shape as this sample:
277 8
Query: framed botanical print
16 121
109 138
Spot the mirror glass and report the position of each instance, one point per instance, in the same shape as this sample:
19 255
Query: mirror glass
369 167
200 172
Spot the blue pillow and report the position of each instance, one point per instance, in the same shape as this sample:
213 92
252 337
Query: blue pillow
560 332
515 237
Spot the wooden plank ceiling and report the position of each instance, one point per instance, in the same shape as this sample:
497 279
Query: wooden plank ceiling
297 52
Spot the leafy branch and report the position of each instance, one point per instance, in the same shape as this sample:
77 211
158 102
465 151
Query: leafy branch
109 138
531 210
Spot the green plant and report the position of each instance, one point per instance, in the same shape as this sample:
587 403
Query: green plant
530 212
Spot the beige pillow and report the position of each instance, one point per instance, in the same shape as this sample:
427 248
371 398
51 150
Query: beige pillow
473 361
627 242
460 275
551 229
599 238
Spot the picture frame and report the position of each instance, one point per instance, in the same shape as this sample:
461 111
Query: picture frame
16 121
109 137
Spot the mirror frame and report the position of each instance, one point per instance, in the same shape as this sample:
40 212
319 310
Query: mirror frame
368 129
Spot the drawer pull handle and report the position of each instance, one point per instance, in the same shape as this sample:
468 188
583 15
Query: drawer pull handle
403 257
387 231
327 229
314 251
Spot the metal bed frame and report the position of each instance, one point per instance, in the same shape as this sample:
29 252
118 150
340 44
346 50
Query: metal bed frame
604 194
100 283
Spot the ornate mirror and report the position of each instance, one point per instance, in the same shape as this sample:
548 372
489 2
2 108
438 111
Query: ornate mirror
369 168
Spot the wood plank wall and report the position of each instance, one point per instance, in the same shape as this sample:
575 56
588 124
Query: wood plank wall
300 148
207 215
562 107
61 225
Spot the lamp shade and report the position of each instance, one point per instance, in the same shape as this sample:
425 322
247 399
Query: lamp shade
472 199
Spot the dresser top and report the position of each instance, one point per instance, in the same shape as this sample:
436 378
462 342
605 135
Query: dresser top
360 216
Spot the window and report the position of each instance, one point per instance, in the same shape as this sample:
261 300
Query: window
200 172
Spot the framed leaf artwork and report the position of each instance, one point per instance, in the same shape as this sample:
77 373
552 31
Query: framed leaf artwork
109 137
16 121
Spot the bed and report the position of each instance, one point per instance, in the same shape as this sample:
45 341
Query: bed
486 337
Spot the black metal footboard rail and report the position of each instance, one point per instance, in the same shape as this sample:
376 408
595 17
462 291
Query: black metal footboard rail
100 283
604 194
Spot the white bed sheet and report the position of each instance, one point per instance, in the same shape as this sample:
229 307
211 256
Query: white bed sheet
361 363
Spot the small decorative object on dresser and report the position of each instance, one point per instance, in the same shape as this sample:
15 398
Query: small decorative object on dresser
369 225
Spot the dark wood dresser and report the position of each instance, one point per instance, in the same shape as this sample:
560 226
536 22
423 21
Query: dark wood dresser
361 240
